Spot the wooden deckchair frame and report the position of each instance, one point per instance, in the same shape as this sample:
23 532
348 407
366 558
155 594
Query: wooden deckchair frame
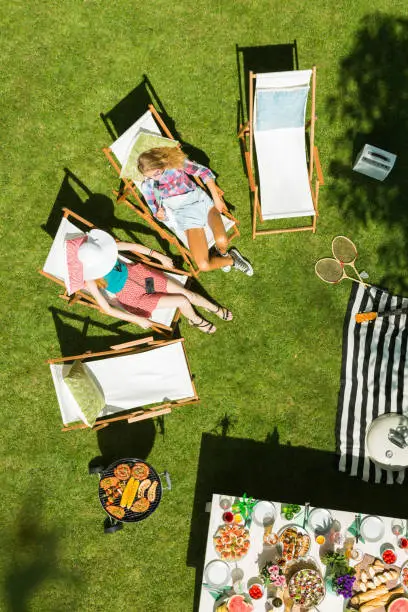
142 209
246 136
81 297
138 414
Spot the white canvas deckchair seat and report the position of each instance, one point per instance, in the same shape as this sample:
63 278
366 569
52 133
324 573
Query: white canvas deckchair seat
56 266
279 133
130 381
122 148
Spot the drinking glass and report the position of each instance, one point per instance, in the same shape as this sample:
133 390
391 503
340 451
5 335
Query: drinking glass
397 526
226 502
237 576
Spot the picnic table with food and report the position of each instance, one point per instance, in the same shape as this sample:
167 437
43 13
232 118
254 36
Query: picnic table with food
264 555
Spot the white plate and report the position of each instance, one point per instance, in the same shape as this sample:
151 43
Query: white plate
264 513
217 573
372 528
320 517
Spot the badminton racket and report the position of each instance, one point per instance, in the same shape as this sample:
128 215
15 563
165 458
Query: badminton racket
362 317
331 270
345 251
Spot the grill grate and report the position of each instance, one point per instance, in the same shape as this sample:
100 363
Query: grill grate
131 516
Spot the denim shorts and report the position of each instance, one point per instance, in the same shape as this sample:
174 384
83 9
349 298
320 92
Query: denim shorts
190 210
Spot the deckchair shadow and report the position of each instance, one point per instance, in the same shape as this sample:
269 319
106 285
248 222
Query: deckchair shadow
99 209
122 440
271 471
264 58
124 114
76 333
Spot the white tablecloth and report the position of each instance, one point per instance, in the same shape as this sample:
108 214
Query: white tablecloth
249 565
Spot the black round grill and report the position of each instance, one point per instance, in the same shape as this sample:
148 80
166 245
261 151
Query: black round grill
130 516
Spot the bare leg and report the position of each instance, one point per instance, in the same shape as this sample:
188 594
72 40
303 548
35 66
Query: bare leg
181 301
199 247
174 286
218 229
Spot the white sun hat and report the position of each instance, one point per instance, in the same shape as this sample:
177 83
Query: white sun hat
98 254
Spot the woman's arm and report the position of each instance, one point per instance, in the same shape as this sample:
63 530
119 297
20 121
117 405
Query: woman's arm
115 312
218 201
139 248
208 179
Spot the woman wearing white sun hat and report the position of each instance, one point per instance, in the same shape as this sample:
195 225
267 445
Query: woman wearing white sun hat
92 262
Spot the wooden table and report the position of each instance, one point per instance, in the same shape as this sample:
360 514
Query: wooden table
249 565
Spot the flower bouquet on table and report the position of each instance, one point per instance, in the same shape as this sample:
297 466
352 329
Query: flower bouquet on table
339 576
244 508
272 575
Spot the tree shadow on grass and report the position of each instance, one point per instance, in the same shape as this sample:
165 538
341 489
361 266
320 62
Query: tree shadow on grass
34 557
370 104
271 471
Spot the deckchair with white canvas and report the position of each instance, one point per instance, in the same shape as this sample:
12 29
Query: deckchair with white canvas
137 382
277 153
146 133
163 320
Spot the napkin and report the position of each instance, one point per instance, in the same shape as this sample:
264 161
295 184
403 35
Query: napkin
217 594
354 529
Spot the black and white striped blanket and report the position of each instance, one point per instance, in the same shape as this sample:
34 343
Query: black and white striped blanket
374 378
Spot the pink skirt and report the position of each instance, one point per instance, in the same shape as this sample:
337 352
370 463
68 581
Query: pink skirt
133 296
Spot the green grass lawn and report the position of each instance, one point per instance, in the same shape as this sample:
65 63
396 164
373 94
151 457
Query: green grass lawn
268 381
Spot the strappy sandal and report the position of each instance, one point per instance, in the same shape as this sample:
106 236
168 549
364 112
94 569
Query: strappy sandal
205 326
222 312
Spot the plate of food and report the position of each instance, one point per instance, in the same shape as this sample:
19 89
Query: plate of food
231 542
306 587
264 513
372 528
295 542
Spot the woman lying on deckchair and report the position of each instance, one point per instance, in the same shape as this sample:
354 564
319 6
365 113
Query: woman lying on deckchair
167 185
137 288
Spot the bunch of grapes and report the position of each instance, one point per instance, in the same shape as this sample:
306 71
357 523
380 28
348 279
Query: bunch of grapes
344 586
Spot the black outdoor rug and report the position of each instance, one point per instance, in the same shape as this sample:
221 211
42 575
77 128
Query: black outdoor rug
374 378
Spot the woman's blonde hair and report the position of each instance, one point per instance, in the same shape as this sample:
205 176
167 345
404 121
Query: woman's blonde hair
160 158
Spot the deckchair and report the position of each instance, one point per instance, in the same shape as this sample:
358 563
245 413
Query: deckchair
138 382
118 154
163 320
276 154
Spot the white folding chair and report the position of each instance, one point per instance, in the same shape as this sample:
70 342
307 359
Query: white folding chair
277 154
138 382
118 155
163 320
